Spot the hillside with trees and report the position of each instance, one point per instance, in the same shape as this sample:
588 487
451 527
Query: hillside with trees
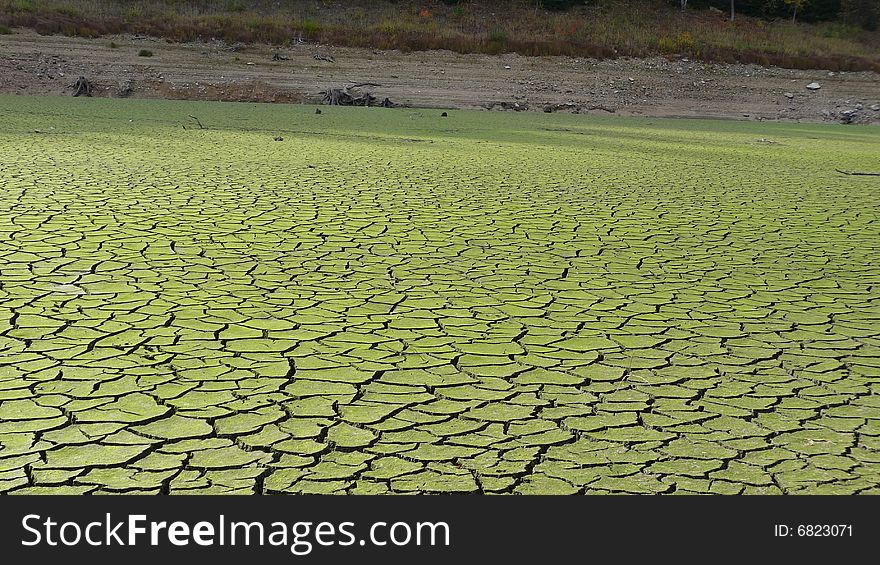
804 34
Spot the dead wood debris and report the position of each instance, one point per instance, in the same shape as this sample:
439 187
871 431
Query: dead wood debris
608 109
354 95
124 89
197 121
82 87
858 173
550 108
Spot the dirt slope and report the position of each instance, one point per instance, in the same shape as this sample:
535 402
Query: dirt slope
41 65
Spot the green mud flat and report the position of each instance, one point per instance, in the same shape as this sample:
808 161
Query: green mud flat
393 301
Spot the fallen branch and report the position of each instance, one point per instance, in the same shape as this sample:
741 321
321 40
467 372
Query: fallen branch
603 108
198 122
859 173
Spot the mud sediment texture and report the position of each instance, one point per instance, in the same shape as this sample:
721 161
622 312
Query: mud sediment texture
388 300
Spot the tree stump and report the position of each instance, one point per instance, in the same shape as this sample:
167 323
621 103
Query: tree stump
82 87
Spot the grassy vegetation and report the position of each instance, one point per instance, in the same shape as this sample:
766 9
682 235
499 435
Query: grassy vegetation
391 301
607 29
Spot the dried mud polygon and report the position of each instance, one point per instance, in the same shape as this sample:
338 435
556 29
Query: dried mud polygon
526 304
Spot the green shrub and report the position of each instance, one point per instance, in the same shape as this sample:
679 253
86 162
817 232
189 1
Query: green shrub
685 41
310 27
145 53
558 5
133 14
68 10
4 30
235 6
23 6
496 34
113 45
388 27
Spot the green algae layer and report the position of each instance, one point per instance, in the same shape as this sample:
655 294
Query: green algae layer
395 301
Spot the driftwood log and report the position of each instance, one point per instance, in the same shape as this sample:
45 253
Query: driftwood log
353 95
347 97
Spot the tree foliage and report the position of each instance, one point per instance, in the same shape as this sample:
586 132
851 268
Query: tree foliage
862 13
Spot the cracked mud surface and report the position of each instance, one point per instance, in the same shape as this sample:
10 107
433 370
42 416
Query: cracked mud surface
390 301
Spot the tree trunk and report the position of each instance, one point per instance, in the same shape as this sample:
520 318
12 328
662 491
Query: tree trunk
732 10
794 14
